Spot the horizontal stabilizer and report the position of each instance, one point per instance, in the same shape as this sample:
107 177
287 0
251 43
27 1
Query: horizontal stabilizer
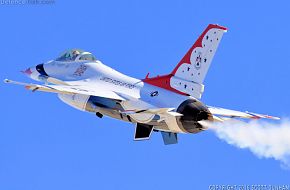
237 114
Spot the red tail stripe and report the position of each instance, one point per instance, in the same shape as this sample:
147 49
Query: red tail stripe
164 81
198 43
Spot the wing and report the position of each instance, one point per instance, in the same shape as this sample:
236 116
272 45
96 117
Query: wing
220 113
69 89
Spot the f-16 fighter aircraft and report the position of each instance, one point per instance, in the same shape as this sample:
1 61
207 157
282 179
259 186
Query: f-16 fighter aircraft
169 104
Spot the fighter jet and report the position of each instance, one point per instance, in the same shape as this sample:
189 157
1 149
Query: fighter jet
169 104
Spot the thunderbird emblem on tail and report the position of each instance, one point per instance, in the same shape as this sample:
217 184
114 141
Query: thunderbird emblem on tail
169 104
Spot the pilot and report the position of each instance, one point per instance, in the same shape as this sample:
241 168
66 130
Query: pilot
75 53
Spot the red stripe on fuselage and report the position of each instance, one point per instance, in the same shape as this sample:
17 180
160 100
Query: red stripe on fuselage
163 82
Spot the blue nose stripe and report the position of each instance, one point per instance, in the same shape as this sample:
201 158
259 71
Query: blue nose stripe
41 70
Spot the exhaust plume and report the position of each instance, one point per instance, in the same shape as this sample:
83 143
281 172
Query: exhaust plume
264 139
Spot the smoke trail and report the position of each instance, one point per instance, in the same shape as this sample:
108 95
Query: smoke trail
264 139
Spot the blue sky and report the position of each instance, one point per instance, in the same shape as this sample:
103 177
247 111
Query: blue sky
45 144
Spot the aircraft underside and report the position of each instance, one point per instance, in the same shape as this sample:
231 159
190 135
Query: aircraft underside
191 109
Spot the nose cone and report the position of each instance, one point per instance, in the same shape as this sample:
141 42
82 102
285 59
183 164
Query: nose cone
32 73
36 72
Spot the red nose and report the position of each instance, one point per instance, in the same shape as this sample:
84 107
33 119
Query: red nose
27 72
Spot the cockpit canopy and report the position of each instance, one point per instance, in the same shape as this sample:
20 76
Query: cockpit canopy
76 55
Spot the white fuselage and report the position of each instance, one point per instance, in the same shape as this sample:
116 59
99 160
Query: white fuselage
168 103
138 94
